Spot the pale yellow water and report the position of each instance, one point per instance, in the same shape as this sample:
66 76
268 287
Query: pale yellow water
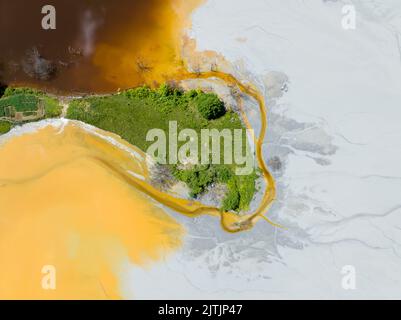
62 205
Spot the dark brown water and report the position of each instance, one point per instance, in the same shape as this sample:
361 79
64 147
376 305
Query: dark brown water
98 45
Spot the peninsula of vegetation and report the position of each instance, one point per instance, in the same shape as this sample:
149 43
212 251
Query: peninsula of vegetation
131 114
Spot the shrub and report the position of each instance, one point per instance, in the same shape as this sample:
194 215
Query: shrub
224 174
191 94
197 179
165 90
232 201
4 127
209 106
52 108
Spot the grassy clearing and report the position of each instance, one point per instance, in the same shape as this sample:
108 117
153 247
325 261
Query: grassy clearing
132 113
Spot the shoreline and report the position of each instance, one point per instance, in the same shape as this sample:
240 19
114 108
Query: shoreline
230 222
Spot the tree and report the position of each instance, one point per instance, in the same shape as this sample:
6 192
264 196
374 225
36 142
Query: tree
210 106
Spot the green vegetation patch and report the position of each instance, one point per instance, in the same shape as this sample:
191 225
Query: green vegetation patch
4 127
209 106
26 101
133 113
21 103
53 109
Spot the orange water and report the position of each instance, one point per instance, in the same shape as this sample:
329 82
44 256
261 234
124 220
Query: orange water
97 46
